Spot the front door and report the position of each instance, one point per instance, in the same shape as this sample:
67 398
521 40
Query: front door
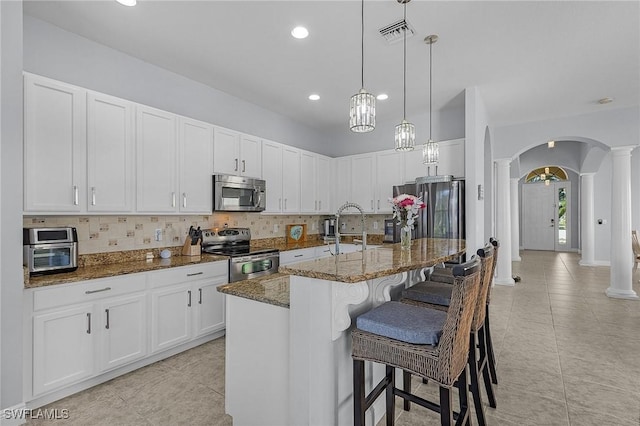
545 218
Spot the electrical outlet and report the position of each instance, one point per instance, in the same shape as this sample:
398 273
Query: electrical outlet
375 224
158 234
276 228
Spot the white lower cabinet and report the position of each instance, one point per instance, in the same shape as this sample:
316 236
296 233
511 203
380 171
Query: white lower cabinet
181 312
124 330
79 331
62 348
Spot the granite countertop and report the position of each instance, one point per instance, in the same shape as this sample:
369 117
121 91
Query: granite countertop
313 241
90 272
378 262
271 289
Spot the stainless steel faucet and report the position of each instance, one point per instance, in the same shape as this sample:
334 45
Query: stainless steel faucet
363 230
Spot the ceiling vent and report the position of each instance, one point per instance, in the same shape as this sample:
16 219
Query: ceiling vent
393 33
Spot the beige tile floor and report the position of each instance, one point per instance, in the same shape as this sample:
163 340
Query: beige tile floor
566 354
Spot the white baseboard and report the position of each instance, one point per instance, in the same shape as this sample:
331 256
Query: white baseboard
14 416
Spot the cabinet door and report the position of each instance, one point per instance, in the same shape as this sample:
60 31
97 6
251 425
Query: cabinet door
290 180
250 156
156 160
209 307
109 154
62 347
272 174
54 146
195 140
226 151
413 166
388 173
308 200
124 331
171 316
362 181
323 184
343 182
452 158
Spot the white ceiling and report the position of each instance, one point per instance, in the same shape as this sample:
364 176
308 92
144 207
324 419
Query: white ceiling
531 60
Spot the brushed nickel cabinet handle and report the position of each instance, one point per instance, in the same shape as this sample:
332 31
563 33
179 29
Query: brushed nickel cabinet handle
89 323
236 168
199 296
173 199
93 195
75 195
189 303
243 166
97 291
184 200
195 273
107 325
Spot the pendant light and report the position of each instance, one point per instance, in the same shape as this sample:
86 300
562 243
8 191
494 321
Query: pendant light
362 108
405 135
430 150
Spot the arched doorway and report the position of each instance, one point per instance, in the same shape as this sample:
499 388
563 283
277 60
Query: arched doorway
546 201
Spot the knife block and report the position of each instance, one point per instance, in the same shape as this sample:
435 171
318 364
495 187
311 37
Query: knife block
189 249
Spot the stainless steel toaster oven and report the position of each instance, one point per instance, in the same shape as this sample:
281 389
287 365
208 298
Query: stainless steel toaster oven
50 250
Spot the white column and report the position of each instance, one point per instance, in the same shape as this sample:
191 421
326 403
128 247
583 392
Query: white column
503 223
587 221
515 221
621 258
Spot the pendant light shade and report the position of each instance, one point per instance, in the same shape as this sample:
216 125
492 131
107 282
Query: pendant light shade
430 150
405 135
362 108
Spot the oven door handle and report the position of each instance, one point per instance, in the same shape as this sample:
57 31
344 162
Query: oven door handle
255 257
257 197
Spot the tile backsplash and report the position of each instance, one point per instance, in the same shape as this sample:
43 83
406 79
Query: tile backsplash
98 234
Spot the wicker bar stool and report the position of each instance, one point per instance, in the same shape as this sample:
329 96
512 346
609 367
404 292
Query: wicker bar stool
437 296
443 275
428 343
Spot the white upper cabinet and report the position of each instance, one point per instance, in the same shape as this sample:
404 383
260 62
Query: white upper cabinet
308 186
389 172
250 156
452 158
156 169
363 180
323 183
451 161
110 154
272 174
290 180
195 145
236 154
54 146
342 193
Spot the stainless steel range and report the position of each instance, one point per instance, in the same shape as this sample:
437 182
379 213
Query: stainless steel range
244 263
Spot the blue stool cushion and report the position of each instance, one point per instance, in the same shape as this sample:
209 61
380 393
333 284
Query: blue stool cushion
430 292
407 323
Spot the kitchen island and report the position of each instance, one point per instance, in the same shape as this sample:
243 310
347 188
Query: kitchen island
293 365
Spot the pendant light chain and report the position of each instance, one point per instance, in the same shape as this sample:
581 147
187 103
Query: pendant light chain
430 85
405 132
362 109
431 150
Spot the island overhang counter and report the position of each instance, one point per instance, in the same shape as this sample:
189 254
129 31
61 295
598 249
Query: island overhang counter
293 366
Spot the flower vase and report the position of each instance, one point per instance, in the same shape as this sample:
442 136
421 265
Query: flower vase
405 237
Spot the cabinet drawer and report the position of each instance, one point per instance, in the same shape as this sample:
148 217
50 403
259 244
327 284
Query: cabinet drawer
189 273
325 251
295 256
86 291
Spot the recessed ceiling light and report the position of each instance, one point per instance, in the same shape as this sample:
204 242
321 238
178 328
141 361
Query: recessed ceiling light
127 2
605 101
551 144
314 97
300 32
382 97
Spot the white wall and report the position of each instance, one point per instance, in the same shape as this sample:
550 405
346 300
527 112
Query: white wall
11 280
64 56
476 124
447 125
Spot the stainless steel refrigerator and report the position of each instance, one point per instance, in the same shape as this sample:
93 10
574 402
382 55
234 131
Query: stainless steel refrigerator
443 217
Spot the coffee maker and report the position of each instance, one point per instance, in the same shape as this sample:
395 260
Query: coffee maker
329 227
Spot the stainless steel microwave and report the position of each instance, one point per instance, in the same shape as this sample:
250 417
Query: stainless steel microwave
238 194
